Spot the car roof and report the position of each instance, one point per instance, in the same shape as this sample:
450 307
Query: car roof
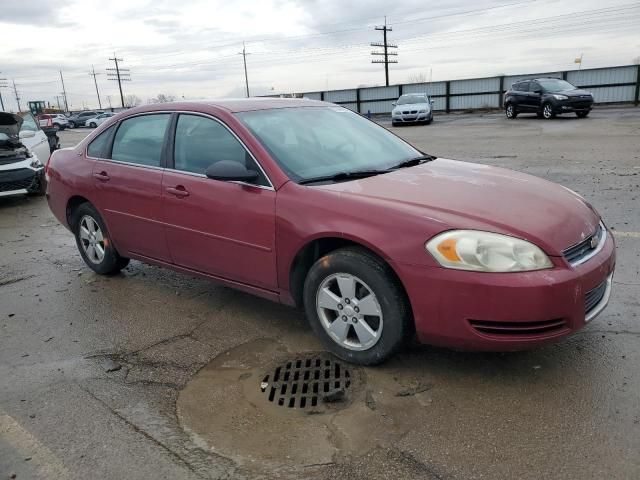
264 103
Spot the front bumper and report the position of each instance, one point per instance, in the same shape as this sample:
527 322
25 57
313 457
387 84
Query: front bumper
507 311
569 106
20 180
412 117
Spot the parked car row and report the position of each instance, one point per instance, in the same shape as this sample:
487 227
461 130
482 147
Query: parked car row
318 207
544 96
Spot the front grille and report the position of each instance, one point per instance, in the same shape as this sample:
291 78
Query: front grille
407 112
593 297
11 159
521 329
581 104
17 185
580 250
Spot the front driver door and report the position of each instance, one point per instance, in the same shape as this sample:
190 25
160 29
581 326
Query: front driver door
226 229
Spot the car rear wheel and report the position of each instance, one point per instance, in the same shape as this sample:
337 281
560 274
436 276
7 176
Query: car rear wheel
72 125
547 111
93 125
94 243
582 114
355 305
510 111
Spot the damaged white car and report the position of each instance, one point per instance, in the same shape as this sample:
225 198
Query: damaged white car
21 168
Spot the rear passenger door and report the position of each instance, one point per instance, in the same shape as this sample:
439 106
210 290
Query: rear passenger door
524 102
128 179
535 96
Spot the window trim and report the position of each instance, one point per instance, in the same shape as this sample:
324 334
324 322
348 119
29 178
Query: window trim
171 150
108 146
113 136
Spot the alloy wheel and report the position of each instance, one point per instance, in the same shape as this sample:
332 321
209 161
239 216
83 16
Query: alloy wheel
349 311
91 239
547 111
509 111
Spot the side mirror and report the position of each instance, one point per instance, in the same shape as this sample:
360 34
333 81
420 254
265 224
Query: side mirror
432 102
393 103
228 171
27 134
537 91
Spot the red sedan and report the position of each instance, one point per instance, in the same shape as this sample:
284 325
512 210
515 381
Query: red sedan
309 204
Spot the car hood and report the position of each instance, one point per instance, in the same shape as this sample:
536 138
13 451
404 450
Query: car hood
461 195
413 106
575 93
10 124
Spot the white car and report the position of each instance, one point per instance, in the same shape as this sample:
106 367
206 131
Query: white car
94 122
24 149
412 108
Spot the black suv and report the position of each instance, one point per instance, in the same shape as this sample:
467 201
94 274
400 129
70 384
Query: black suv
78 119
546 97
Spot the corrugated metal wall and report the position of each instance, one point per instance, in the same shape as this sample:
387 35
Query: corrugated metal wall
609 85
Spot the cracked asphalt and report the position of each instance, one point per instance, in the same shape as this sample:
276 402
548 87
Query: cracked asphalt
130 376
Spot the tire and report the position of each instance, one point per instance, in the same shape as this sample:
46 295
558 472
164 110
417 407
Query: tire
394 124
93 125
539 114
547 111
582 114
72 125
428 122
87 217
361 274
511 111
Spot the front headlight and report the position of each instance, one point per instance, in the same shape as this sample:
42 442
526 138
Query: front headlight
422 111
486 252
560 97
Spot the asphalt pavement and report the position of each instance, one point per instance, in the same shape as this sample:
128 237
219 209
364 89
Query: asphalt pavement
152 374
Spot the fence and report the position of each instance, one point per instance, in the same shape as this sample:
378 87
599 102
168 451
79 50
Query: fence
608 85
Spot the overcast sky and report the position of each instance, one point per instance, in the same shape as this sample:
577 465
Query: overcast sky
189 48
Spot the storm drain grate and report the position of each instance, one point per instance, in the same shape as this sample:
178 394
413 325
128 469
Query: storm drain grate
305 382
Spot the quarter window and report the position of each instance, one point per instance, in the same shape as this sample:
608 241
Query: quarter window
98 147
140 140
201 142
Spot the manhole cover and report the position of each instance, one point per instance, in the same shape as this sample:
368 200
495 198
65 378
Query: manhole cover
306 382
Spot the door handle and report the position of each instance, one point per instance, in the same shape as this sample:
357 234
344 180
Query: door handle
102 176
179 191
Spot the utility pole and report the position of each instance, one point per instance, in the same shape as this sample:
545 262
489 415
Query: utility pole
64 93
15 91
385 46
93 74
109 100
3 84
244 57
121 75
58 100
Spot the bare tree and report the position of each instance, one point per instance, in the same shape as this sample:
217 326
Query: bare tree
132 100
162 98
417 78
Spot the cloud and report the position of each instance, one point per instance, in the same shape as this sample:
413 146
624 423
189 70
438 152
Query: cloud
32 12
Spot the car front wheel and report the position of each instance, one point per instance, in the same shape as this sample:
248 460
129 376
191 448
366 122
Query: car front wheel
94 243
510 111
93 125
356 306
547 111
582 114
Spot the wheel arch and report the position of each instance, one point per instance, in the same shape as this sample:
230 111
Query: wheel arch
72 204
316 248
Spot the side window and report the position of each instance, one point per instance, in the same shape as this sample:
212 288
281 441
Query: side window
533 86
201 141
140 139
98 147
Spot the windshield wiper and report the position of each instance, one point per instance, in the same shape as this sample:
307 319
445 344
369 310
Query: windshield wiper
412 162
343 176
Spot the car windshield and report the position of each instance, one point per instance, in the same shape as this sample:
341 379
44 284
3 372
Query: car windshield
408 99
555 85
313 142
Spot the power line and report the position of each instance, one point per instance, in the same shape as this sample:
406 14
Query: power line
386 46
94 74
119 75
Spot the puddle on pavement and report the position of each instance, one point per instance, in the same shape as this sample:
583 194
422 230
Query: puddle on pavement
226 406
